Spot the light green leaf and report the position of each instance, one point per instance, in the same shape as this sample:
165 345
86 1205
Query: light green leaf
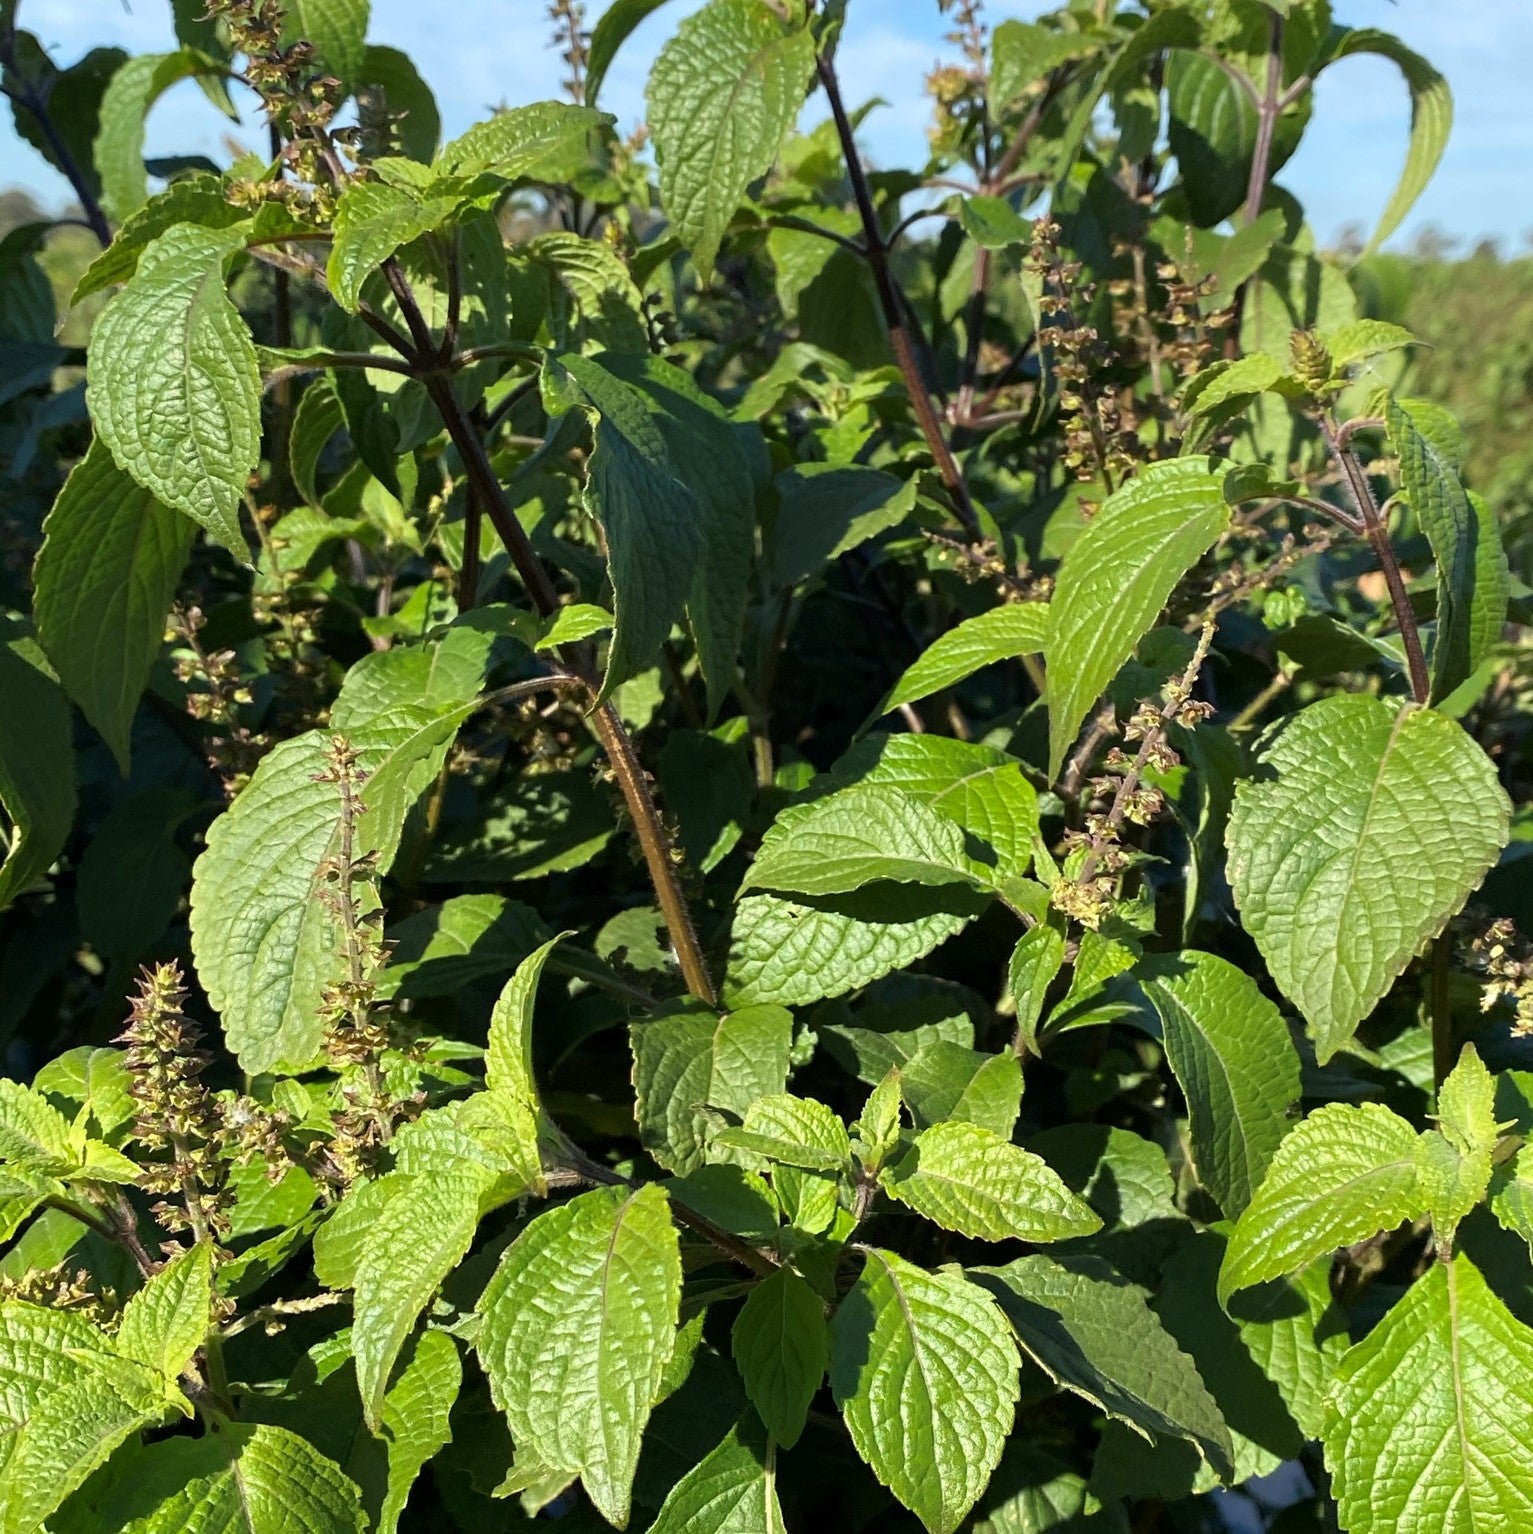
118 152
781 1346
838 844
1449 1182
798 1132
66 1402
1344 1173
415 1418
508 1057
37 777
1035 961
945 1080
1116 578
1466 1105
195 200
1359 340
650 517
422 1231
1222 382
1473 581
579 1322
1511 1195
979 788
1363 831
877 1130
373 221
724 93
789 952
104 581
572 623
33 1133
732 1490
1431 117
1427 1428
1237 1066
924 1369
1093 1333
535 142
265 946
248 1478
1003 633
338 30
173 388
1023 53
992 222
692 1061
165 1322
969 1179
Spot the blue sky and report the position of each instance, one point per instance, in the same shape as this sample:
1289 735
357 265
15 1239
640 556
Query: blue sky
480 53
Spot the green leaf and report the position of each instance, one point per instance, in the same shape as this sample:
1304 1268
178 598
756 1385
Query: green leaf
944 1080
798 1132
579 1322
374 220
37 778
789 952
611 31
508 1057
781 1346
650 517
415 1418
707 455
1093 1333
732 1490
1023 52
196 200
533 142
1116 578
572 623
1344 1173
173 388
840 843
1431 117
165 1323
338 30
1035 961
1427 1425
1237 1066
104 581
692 1061
1511 1196
979 788
924 1369
67 1401
1003 633
248 1478
1359 340
992 222
1221 383
825 510
1269 1363
315 422
33 1133
390 82
1473 582
422 1231
264 945
118 153
969 1179
723 95
1363 831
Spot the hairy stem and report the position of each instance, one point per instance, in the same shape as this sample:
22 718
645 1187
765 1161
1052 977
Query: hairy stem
1384 551
1267 112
